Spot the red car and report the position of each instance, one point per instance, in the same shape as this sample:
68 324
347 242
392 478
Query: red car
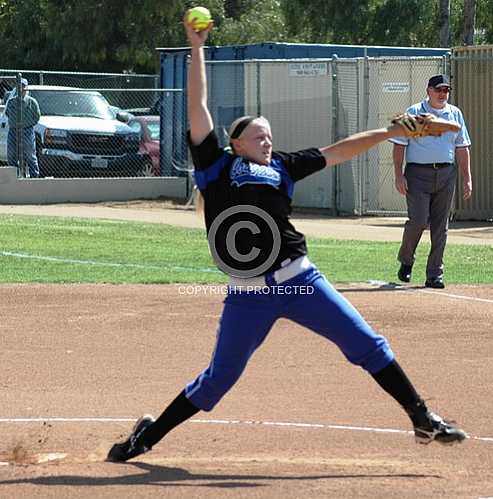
148 128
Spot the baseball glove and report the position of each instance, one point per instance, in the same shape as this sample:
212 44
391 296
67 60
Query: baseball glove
425 124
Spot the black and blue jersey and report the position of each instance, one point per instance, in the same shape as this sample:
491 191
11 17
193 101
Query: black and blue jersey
226 180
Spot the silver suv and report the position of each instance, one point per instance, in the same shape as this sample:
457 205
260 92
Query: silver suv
80 134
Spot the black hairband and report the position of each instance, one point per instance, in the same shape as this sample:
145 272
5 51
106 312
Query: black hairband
241 126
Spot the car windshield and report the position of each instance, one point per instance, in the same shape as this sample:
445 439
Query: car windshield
69 103
153 130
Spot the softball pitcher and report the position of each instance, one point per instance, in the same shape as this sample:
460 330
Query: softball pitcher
247 191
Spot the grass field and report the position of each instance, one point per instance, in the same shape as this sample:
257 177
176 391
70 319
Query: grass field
69 250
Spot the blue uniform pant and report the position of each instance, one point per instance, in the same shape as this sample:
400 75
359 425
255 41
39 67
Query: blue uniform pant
248 317
28 148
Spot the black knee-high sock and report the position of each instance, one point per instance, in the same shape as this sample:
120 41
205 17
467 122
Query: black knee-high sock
177 412
395 382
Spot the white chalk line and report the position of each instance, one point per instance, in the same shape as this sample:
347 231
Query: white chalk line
457 297
225 422
56 259
403 288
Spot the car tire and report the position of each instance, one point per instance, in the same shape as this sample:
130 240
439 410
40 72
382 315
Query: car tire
43 172
147 168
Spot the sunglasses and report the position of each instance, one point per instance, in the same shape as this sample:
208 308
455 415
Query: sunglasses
442 90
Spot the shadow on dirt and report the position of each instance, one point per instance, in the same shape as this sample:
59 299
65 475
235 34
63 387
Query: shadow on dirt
168 476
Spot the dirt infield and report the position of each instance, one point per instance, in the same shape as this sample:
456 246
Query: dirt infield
79 363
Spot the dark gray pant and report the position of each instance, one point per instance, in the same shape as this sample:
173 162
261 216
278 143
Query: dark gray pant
429 198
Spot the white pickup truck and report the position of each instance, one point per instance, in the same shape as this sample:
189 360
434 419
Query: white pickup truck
80 134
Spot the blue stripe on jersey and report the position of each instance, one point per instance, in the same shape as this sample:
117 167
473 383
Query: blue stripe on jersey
278 164
210 174
245 172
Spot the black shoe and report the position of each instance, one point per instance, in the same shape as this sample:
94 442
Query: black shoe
404 273
435 282
134 445
434 428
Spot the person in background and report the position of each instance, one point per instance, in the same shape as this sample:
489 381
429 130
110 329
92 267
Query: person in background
30 116
429 179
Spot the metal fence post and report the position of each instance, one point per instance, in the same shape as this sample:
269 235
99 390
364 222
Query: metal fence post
446 64
259 103
366 126
19 131
335 132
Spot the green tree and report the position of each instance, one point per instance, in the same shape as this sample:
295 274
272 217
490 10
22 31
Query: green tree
377 22
117 35
484 21
444 22
469 22
111 35
406 23
420 23
93 35
327 21
234 8
22 41
258 22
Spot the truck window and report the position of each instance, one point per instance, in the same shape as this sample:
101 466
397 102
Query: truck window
54 103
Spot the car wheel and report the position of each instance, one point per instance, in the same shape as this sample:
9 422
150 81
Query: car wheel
147 168
43 171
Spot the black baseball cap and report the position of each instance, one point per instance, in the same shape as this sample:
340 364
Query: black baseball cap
439 81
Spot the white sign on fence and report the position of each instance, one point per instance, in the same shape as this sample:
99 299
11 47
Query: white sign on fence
308 69
396 87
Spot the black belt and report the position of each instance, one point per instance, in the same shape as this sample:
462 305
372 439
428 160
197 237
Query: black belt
435 166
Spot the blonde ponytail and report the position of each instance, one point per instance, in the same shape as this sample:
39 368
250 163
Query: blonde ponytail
198 202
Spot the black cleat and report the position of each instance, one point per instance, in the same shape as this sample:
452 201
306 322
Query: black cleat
434 428
134 445
404 273
435 282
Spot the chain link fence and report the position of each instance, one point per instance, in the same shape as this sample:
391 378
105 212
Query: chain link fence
472 90
91 131
106 125
312 103
392 86
78 80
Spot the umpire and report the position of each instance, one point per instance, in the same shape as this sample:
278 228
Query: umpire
429 179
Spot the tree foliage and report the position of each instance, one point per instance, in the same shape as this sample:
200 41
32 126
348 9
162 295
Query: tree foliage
389 24
322 20
469 20
484 22
384 22
257 22
116 35
105 35
444 22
